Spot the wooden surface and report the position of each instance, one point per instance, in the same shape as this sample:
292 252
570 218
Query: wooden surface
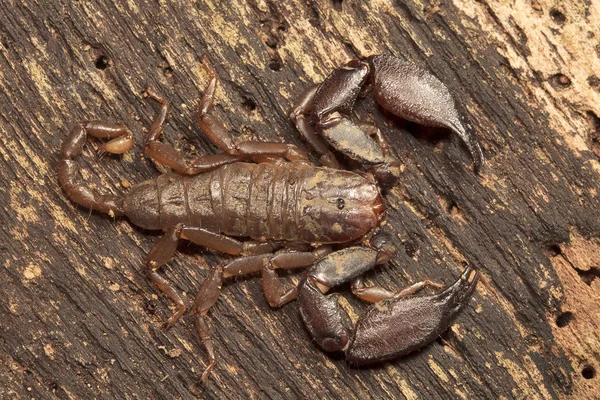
79 320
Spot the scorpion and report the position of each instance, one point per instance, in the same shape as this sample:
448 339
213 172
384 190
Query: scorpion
269 205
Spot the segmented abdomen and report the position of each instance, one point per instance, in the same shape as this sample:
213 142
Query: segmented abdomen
239 199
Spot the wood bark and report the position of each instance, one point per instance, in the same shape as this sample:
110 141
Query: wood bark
79 320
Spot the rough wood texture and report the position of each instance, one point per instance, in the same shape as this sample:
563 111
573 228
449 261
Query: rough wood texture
79 320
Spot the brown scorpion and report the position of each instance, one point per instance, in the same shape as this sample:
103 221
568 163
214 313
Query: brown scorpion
270 205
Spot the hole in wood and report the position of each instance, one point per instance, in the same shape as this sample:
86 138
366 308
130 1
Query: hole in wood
315 17
411 248
564 319
151 306
249 103
167 72
594 135
337 5
275 65
560 81
272 42
589 275
554 250
594 82
453 209
558 16
588 372
101 62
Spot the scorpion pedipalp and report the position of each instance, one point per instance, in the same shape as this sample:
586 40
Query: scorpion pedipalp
399 87
396 325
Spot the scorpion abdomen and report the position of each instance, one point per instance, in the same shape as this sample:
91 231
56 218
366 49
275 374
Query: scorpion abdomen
256 200
239 199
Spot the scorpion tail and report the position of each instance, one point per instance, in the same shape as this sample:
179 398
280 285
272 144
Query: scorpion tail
68 168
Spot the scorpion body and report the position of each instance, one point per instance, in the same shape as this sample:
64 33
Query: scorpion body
294 202
269 205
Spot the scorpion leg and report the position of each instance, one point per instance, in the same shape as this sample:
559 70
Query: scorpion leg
167 155
205 298
160 254
164 250
211 288
267 264
121 140
300 111
374 294
254 150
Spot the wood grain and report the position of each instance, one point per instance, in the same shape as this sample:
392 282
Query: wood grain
79 320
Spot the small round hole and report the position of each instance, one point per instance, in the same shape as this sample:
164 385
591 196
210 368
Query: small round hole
588 372
272 42
101 62
563 319
557 16
249 103
554 250
275 65
168 72
151 306
560 81
453 209
411 248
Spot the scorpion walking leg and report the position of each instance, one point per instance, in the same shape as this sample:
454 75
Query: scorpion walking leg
300 111
254 150
164 250
205 298
160 254
121 140
211 288
267 264
171 157
373 294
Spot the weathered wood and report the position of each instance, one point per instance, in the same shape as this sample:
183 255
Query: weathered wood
79 320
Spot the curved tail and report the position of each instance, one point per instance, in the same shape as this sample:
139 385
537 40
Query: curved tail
68 169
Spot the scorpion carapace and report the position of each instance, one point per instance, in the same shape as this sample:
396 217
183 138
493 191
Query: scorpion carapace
269 205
